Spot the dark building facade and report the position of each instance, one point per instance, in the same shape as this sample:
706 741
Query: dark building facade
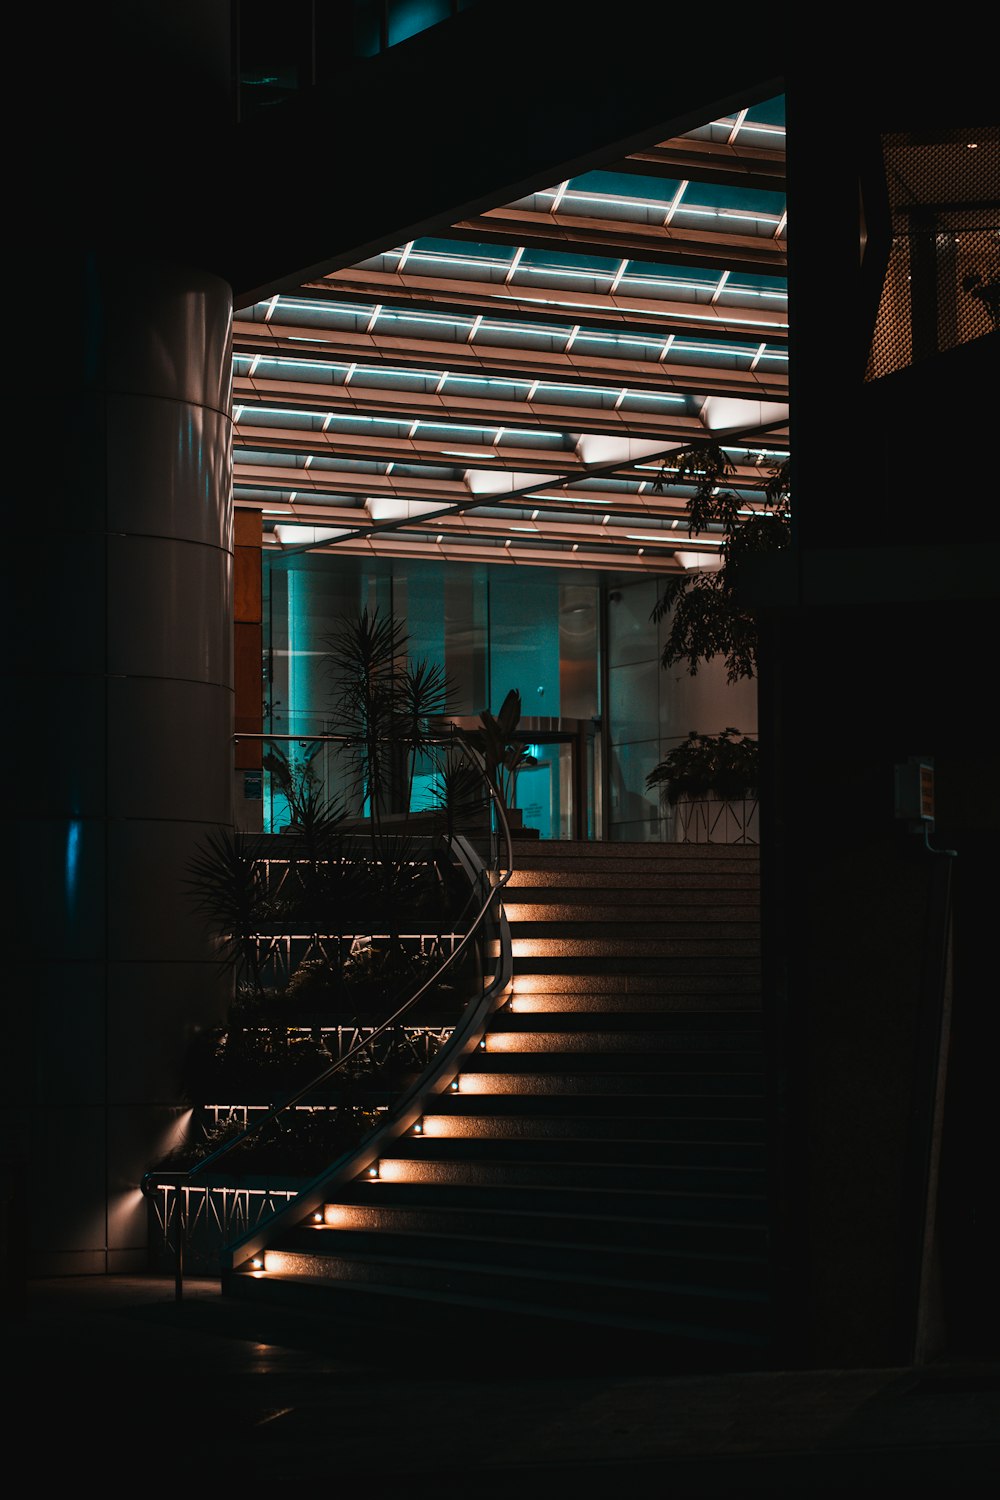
152 205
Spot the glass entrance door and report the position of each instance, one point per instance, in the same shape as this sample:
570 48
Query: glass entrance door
545 791
560 793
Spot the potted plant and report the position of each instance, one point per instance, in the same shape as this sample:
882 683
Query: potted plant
709 782
503 754
294 776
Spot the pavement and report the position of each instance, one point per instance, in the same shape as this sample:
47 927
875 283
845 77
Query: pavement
112 1372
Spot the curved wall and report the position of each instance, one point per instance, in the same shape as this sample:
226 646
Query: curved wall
124 690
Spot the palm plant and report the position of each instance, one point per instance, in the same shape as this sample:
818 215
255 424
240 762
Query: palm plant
385 705
503 754
423 696
228 882
330 890
295 777
460 793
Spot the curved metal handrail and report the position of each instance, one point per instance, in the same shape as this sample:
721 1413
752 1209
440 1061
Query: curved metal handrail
470 862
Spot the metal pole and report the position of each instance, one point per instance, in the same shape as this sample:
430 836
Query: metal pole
180 1221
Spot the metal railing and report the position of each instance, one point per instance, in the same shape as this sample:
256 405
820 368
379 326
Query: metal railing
485 886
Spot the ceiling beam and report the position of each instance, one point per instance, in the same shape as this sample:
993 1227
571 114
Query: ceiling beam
458 411
486 550
736 165
548 306
568 529
381 350
750 254
338 484
414 451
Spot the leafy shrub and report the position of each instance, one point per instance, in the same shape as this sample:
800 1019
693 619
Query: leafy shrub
726 764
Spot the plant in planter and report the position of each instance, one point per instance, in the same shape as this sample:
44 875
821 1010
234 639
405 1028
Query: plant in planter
375 976
707 617
706 777
296 1147
295 777
323 924
503 755
229 888
460 794
386 704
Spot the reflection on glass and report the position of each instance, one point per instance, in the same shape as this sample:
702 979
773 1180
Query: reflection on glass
578 650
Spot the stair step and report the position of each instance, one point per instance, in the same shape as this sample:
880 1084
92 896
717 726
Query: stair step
737 1210
680 977
522 1013
526 887
655 906
498 1326
719 875
621 1150
612 946
635 1262
673 1030
737 1192
739 1309
640 846
540 1216
703 1050
589 1097
682 1114
648 859
698 1068
598 1170
556 887
702 1090
637 933
623 972
526 1002
719 1147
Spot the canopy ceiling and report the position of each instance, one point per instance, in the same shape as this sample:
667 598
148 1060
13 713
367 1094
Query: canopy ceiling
512 392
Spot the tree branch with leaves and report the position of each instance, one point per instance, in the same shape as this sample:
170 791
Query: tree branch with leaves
707 617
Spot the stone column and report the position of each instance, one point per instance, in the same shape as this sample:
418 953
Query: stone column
123 697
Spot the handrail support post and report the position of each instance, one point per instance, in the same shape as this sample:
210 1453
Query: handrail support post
180 1223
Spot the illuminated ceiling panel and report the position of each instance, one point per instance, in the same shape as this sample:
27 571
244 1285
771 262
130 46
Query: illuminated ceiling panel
513 391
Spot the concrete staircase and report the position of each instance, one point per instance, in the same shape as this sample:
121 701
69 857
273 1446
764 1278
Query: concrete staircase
599 1169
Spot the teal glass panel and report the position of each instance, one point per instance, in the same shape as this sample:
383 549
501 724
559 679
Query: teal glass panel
524 639
631 634
534 793
423 613
631 803
466 637
367 27
578 650
407 17
633 709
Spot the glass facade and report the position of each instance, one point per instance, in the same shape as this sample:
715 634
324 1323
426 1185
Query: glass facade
598 711
490 628
650 710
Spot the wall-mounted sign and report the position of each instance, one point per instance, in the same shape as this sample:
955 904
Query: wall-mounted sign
915 790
